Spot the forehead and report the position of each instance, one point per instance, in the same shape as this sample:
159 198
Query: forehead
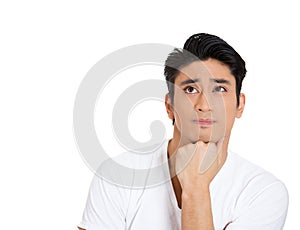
203 70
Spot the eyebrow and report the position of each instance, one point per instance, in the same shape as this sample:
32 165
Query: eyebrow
216 80
220 81
190 81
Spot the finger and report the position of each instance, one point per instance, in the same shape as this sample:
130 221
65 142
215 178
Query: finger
184 155
208 158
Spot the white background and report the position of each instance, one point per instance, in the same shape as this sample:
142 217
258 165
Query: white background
46 49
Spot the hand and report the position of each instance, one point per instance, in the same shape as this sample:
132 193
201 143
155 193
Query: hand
197 164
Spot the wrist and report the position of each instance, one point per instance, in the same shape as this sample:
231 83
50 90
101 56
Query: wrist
195 193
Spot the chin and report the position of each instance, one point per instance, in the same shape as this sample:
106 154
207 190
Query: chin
195 139
206 138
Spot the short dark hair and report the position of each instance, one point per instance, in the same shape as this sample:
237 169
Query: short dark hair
203 46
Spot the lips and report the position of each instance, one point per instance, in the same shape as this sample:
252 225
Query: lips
204 122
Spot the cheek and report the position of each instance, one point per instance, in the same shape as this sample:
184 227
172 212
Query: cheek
230 116
183 106
184 113
224 113
218 106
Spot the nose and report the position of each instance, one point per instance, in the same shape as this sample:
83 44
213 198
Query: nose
202 103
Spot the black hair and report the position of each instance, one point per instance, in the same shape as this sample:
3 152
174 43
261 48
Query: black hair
203 46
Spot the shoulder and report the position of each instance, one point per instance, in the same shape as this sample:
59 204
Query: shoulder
131 169
258 189
250 174
260 199
247 184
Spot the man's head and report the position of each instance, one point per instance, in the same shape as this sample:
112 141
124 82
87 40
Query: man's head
204 81
203 46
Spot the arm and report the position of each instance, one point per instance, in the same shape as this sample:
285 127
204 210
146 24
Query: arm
196 202
104 207
196 210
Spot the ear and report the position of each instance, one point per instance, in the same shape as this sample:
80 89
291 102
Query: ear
168 105
240 108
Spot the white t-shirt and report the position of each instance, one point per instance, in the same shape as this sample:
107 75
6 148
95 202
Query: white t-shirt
241 193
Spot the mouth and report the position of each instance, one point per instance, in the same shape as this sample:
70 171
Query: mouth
204 122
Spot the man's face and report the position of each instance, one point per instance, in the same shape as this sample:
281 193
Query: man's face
205 103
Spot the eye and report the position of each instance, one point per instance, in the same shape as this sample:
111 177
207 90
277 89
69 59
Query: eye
190 90
220 89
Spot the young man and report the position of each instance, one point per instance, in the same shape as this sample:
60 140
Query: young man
209 187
